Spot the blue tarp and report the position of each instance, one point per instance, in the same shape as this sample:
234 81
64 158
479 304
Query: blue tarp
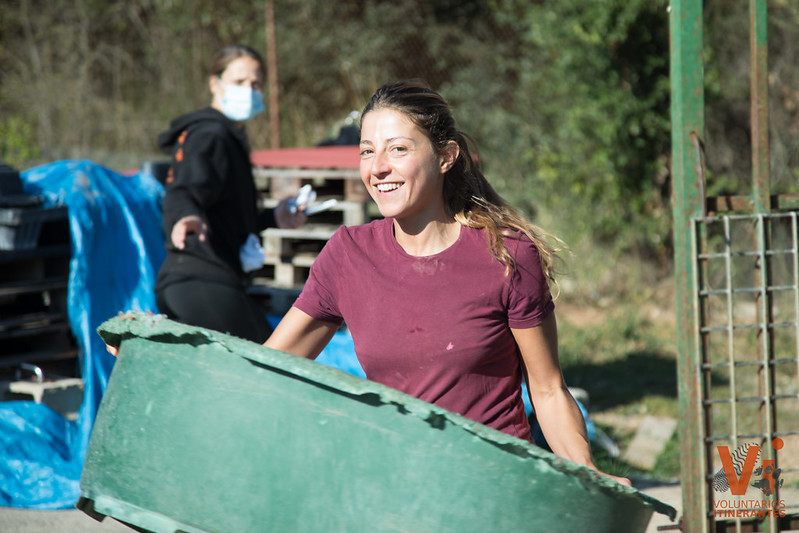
117 248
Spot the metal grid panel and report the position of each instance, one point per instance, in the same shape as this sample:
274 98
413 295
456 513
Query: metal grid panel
747 279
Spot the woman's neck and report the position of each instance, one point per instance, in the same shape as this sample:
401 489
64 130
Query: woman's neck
428 239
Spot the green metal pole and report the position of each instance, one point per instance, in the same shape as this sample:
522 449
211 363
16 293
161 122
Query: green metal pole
761 183
687 116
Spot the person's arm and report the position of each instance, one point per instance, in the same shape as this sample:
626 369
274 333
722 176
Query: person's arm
297 334
281 217
556 410
300 334
197 182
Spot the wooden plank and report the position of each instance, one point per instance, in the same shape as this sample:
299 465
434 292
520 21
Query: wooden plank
307 232
304 173
726 204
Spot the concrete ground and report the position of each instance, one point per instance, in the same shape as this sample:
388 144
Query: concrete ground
75 521
670 493
63 521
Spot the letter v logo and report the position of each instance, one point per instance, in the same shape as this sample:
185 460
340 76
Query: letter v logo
738 484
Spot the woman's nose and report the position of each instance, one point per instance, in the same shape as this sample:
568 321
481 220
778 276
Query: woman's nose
380 164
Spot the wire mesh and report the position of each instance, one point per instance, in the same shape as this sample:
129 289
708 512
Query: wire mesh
747 277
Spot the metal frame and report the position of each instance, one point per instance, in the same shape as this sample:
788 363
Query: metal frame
723 264
746 273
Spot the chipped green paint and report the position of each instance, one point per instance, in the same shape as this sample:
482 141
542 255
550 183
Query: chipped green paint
688 203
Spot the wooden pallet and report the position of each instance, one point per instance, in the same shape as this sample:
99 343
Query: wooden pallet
343 184
291 252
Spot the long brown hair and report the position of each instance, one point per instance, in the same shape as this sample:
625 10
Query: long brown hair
468 196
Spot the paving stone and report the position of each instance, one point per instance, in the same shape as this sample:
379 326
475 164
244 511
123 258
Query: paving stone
649 441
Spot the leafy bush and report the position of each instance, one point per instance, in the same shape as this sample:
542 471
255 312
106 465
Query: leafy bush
17 142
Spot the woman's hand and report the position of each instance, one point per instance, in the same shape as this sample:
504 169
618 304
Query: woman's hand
185 226
622 480
618 479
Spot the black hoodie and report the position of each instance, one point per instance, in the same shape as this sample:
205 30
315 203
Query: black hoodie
211 177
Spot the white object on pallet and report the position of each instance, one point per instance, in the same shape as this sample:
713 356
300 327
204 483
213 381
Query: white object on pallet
349 213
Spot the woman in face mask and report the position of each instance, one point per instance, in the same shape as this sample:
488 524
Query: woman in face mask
211 219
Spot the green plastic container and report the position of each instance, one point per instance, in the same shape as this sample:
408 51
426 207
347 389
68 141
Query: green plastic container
202 432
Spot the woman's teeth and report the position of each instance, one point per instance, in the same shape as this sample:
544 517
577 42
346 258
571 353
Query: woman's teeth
385 187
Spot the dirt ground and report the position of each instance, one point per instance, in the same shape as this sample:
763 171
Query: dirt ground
62 521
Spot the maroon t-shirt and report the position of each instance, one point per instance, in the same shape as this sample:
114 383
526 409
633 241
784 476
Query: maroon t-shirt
434 327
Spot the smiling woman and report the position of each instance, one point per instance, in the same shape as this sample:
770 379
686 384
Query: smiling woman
447 297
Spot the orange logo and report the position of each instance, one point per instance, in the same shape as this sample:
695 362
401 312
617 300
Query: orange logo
181 140
737 471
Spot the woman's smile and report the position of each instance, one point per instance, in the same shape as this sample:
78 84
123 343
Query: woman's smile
387 187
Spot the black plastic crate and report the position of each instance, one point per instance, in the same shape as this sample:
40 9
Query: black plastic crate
23 228
10 182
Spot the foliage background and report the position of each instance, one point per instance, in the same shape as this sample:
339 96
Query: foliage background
568 99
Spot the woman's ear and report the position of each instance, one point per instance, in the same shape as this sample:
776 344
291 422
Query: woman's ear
217 91
449 155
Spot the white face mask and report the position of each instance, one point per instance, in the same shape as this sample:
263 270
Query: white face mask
241 103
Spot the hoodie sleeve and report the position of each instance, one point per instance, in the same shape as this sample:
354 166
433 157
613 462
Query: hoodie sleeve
199 167
266 219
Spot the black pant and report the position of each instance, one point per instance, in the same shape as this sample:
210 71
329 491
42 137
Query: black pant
215 306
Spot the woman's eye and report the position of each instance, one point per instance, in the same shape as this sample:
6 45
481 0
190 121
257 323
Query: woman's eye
398 149
366 152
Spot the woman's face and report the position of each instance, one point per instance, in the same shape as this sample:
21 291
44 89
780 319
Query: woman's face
401 170
242 71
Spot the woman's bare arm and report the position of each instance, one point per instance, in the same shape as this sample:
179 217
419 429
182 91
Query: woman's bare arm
300 334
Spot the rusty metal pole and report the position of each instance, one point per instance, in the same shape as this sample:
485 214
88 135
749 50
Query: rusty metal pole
761 200
687 115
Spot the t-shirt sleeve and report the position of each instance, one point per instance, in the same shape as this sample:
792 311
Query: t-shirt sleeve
320 295
529 299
